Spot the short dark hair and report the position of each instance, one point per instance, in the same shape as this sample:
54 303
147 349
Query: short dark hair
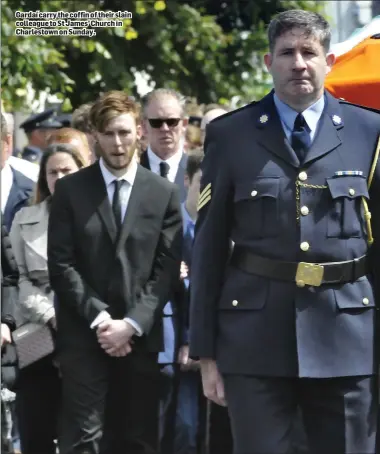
194 161
313 24
4 128
81 118
42 188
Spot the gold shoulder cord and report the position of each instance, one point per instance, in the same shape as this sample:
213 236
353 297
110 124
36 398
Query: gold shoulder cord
367 213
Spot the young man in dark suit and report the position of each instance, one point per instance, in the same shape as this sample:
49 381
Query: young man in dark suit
114 251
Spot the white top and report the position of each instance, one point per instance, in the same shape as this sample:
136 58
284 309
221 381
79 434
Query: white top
27 168
6 184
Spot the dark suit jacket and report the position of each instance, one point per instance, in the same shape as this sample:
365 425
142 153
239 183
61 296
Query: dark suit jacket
178 293
270 327
21 191
92 270
179 178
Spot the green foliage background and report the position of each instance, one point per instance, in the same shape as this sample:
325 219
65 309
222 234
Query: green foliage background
209 50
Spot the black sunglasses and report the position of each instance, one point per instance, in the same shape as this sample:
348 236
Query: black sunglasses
158 122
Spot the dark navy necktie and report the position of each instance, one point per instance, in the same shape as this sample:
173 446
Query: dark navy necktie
300 137
164 169
116 203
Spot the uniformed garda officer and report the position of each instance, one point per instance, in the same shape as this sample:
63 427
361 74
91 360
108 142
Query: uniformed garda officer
288 319
36 128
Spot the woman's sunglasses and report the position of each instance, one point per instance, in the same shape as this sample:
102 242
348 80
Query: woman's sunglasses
156 123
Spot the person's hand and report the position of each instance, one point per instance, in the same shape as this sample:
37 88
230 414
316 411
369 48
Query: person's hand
185 362
213 387
184 271
114 336
5 334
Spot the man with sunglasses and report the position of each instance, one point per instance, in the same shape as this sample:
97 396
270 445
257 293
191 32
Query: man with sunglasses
163 126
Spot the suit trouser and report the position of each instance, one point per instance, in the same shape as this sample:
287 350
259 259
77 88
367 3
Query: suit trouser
38 405
339 414
110 405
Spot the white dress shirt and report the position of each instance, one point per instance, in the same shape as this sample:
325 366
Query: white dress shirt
6 184
29 169
125 194
173 163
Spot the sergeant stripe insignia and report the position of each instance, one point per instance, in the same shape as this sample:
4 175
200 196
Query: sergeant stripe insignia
342 173
204 197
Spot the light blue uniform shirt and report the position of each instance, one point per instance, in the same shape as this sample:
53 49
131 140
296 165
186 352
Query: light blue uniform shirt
288 115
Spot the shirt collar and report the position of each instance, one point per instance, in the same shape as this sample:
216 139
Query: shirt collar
6 172
129 175
173 161
288 115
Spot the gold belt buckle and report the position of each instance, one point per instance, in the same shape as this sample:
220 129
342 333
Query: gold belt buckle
309 274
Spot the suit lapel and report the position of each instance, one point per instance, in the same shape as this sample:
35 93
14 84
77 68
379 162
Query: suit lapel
101 200
140 191
17 195
327 137
271 134
144 160
180 177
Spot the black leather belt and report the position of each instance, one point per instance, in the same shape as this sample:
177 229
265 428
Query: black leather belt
302 273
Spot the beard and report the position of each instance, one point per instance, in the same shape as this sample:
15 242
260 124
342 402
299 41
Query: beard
118 161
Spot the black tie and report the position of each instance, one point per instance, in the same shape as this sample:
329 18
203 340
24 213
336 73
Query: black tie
116 204
300 137
164 169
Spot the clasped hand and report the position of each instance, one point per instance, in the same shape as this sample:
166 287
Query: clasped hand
115 337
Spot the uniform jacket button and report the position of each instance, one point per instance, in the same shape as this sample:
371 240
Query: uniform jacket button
305 246
235 303
302 176
304 210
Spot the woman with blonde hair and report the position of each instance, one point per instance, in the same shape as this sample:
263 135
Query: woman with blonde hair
38 385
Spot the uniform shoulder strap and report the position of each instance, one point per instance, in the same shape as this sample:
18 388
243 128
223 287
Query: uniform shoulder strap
374 163
367 213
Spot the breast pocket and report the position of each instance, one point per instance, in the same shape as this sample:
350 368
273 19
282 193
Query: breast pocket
346 216
257 207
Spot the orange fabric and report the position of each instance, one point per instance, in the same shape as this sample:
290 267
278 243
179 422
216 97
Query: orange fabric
356 75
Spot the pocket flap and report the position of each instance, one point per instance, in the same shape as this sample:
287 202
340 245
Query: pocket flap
355 295
350 186
261 187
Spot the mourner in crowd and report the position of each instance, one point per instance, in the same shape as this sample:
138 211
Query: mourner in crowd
37 127
38 398
114 252
16 188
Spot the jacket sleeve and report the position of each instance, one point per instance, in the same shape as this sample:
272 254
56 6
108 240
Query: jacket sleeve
33 302
65 278
165 270
9 280
211 247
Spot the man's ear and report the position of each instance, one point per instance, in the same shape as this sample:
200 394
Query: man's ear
139 131
268 61
330 60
